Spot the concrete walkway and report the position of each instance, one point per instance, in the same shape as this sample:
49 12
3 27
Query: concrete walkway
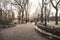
20 32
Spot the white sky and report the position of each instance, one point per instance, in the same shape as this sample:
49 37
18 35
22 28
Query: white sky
35 5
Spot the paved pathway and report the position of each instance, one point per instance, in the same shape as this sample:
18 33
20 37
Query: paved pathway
20 32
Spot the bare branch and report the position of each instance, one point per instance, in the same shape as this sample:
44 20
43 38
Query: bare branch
17 3
57 3
39 4
52 4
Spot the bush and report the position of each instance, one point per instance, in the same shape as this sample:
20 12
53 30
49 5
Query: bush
5 22
50 29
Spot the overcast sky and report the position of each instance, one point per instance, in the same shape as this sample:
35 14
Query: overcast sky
34 5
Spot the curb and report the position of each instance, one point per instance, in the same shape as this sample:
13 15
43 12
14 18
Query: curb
49 34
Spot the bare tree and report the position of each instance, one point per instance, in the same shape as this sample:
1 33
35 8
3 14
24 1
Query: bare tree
22 4
48 11
26 10
56 8
41 10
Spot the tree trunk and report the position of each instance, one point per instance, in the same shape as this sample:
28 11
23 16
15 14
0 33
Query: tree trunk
19 16
22 15
26 12
56 19
42 15
26 16
42 11
45 18
0 15
48 18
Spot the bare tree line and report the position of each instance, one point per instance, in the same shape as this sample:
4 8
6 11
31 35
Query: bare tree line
23 8
55 6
